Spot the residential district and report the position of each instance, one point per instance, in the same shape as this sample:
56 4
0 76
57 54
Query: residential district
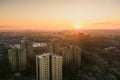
63 55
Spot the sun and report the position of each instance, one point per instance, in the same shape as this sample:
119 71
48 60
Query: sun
77 26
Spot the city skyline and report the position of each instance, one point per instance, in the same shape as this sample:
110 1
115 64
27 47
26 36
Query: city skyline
59 15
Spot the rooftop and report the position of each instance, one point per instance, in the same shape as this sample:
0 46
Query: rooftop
47 54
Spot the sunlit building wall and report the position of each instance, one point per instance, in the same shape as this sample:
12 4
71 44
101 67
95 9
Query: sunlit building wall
49 67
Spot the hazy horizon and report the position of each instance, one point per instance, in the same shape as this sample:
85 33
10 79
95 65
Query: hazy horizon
59 15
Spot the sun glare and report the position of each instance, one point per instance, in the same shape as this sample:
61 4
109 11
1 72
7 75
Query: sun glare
77 26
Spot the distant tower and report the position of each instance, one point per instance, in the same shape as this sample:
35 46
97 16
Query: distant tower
29 48
71 55
77 56
67 54
49 67
23 44
22 58
12 56
28 45
54 47
17 58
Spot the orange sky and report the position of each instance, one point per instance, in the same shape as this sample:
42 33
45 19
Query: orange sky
59 14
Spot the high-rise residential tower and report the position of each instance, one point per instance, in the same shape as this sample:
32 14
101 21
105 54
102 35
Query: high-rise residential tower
49 67
71 55
17 58
54 47
12 56
28 45
22 58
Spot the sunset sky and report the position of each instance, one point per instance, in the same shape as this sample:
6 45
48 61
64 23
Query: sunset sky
59 14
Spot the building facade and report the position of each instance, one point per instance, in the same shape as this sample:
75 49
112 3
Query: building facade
12 56
17 58
28 45
22 58
71 55
49 67
54 47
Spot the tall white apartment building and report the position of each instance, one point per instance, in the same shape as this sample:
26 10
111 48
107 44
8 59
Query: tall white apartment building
49 67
